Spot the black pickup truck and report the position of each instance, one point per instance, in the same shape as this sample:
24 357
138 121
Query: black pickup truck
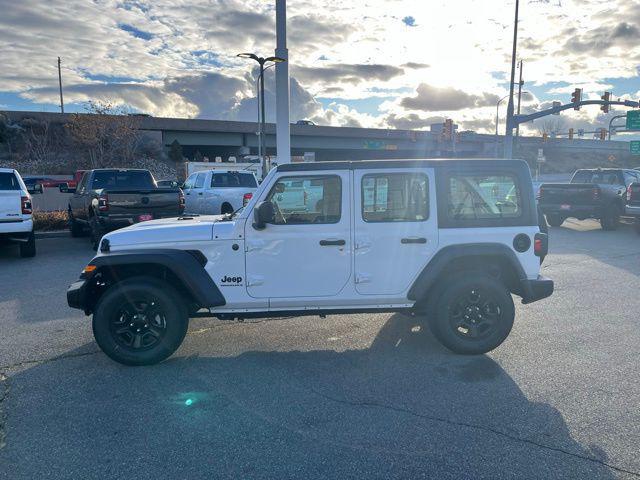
598 193
108 199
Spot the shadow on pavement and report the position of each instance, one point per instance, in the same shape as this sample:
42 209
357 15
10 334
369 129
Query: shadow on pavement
403 408
34 289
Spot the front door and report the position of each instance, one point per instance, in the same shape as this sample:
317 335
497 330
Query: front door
306 251
190 201
396 230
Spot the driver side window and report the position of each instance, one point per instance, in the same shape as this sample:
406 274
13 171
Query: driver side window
307 200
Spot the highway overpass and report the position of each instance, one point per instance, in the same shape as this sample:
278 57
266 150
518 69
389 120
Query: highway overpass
214 138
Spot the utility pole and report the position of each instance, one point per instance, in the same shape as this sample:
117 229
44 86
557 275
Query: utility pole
60 85
508 138
520 84
283 133
263 133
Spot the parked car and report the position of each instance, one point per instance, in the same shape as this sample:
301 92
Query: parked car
16 211
108 199
218 192
598 193
428 238
632 207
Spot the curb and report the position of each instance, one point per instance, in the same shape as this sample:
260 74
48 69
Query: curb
55 234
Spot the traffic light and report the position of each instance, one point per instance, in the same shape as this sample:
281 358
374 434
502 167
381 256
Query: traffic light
571 134
447 131
603 133
576 98
607 98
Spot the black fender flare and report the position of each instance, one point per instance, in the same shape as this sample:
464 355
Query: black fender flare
438 264
186 265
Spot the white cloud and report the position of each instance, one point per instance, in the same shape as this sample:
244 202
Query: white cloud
177 58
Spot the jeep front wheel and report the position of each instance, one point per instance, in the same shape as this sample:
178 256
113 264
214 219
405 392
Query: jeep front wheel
471 314
140 321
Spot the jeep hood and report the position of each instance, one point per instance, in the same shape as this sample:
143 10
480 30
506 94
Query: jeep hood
165 230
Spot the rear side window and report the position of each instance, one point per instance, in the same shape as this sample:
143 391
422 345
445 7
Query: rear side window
8 181
395 197
233 179
483 197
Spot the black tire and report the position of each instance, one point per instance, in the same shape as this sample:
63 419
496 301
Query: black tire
28 249
471 313
96 233
611 218
140 321
76 229
555 220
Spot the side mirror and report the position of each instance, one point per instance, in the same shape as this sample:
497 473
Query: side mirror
264 213
37 188
65 188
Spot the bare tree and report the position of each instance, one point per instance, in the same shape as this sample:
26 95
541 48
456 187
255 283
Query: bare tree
106 134
551 126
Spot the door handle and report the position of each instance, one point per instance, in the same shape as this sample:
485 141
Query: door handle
413 240
200 193
327 243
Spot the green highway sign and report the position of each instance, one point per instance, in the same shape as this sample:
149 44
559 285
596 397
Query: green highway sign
633 120
634 147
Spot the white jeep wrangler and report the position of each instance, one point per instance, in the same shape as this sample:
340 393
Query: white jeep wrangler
449 241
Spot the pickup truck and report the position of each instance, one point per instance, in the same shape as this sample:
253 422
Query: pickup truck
16 220
218 192
592 193
108 199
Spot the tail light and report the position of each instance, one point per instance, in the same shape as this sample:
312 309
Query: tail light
629 193
27 208
245 198
540 193
181 202
595 193
540 244
103 203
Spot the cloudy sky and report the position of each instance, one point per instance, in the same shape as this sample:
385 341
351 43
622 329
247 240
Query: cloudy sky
374 63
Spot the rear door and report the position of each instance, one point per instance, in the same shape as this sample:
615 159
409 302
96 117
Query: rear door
395 225
10 197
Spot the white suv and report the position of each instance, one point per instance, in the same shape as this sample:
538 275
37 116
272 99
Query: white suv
16 210
218 192
448 241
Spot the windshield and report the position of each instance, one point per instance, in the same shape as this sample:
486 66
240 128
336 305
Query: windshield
122 180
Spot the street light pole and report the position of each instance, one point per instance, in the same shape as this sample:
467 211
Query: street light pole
497 120
508 139
283 134
262 143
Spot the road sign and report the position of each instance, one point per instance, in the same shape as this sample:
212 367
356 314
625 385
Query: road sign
556 105
634 147
633 120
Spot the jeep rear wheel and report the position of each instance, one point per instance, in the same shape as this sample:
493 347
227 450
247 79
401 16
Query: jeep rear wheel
140 321
471 314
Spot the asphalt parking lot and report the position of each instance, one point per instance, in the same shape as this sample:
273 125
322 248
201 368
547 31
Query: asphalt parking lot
361 396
